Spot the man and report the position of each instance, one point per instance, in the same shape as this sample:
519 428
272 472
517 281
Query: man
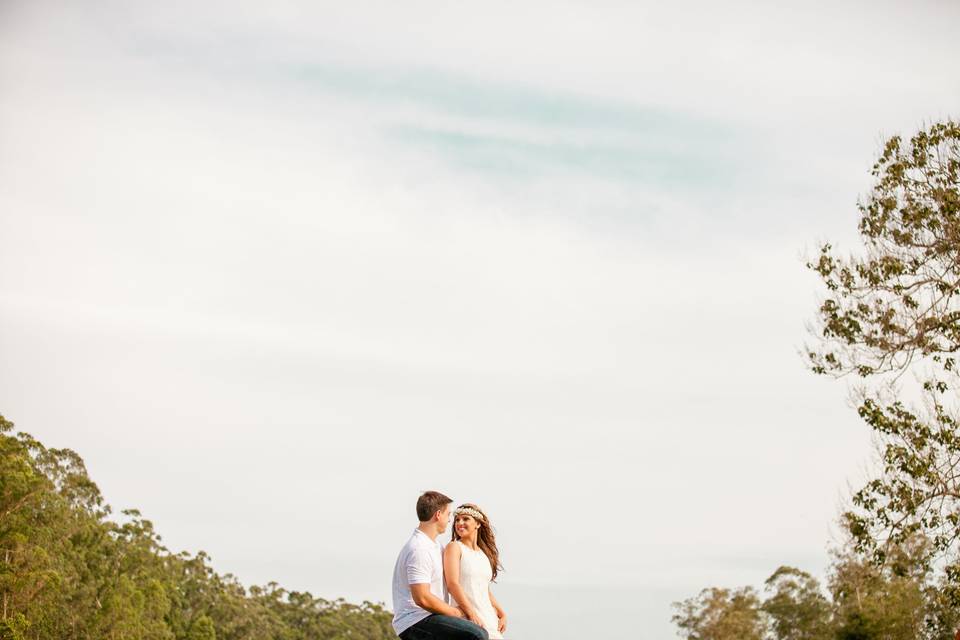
420 612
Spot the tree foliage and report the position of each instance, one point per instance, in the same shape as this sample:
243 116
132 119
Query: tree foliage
899 299
901 600
721 614
70 572
894 308
870 602
797 607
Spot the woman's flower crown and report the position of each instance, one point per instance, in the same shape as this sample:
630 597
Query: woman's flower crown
469 511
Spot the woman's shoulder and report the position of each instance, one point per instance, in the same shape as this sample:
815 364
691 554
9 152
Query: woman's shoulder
453 548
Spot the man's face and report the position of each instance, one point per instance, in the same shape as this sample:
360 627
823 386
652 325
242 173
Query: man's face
443 520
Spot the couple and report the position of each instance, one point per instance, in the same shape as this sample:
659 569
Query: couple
426 572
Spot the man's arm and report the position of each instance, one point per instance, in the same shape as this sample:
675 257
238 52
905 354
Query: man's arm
426 600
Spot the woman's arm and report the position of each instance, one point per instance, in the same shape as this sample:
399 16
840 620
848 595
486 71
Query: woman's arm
451 575
501 614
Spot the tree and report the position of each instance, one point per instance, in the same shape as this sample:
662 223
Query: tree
67 571
896 308
797 608
942 620
899 300
873 603
40 524
721 614
202 629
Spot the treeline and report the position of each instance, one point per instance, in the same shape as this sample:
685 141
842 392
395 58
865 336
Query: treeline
902 599
70 572
891 309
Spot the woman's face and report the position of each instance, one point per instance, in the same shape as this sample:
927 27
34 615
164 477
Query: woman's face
465 525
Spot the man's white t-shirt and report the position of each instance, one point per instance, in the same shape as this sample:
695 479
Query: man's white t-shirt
420 562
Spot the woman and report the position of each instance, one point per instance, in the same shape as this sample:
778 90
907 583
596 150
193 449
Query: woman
470 563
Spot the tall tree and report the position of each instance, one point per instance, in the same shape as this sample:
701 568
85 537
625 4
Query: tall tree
873 603
721 614
797 608
898 300
893 308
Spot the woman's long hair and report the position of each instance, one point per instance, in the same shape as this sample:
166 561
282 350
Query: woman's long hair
486 539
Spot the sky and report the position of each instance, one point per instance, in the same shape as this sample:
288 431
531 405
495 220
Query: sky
274 270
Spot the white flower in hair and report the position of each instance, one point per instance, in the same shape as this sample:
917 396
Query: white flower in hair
469 511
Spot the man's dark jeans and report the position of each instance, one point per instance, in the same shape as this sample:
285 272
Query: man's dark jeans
441 627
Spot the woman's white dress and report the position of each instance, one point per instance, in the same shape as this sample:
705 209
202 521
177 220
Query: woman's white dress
475 577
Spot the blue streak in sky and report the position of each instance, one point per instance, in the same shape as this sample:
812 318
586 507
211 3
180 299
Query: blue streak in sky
615 141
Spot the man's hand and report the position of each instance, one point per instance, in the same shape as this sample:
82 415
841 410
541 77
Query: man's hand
475 618
502 624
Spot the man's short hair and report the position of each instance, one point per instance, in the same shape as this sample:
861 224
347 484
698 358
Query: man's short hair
429 503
